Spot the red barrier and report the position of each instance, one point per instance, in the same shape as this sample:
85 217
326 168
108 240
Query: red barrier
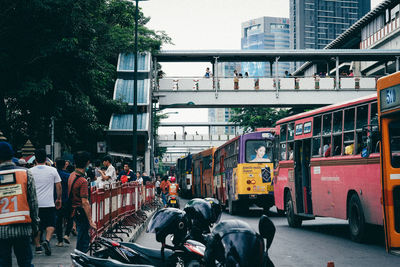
115 202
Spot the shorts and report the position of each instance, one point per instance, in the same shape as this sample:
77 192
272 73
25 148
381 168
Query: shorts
47 218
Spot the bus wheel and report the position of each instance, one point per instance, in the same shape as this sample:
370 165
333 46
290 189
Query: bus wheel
293 220
356 219
232 207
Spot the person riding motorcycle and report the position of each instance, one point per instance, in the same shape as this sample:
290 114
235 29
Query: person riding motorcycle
173 187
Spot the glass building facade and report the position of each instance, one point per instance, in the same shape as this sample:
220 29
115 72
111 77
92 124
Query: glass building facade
265 33
315 23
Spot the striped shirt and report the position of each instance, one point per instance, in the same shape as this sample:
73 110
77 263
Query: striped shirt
22 229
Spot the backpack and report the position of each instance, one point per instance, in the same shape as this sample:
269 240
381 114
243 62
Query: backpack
68 205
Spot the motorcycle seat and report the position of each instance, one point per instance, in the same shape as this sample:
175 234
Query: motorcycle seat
112 263
151 253
98 262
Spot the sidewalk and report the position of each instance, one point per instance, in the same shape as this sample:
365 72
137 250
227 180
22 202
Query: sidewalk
60 256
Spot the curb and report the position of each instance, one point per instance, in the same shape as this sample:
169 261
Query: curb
142 228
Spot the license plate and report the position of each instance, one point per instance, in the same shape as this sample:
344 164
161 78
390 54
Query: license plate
253 196
173 201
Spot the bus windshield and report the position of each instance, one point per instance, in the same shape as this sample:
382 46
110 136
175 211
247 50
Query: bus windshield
394 129
259 151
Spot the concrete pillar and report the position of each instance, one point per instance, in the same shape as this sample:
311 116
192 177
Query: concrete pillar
277 76
397 64
337 73
147 160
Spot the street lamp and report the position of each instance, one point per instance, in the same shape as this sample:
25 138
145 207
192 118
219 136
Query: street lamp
135 89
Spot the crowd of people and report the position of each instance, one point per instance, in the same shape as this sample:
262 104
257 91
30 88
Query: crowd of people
49 198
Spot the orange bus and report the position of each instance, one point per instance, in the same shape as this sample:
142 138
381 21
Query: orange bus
202 172
389 121
321 171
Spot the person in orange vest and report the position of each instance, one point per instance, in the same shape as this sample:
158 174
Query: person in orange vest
164 190
173 187
19 212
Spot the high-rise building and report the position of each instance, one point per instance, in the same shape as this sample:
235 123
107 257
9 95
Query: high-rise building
265 33
220 115
315 23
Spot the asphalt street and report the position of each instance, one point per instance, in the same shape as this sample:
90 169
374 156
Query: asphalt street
316 243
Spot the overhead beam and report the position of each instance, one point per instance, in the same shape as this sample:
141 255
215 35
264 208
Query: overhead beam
271 55
287 98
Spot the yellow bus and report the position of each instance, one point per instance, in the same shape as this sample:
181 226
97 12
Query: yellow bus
389 121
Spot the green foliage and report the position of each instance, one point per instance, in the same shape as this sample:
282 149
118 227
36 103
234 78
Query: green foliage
250 118
58 58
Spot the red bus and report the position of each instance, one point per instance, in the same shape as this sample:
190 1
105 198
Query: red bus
320 171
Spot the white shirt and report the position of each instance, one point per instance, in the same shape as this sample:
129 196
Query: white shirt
111 172
45 177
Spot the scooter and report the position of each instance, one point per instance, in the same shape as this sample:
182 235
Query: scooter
173 201
80 259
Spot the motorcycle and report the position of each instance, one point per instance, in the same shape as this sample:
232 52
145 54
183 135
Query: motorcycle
169 221
173 202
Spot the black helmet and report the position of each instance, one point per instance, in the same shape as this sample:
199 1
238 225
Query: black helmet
199 210
169 221
234 243
216 209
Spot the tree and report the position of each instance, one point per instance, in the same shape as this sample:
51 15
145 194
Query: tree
59 59
250 118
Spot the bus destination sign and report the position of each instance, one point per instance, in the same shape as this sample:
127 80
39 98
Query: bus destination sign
390 98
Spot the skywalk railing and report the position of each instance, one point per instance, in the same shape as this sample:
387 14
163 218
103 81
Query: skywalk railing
263 83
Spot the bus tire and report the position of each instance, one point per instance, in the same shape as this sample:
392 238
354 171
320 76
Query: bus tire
357 224
232 207
292 219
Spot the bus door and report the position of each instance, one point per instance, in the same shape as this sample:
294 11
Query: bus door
390 127
302 176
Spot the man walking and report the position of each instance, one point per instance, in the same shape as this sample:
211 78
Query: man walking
109 175
17 189
62 216
45 177
78 190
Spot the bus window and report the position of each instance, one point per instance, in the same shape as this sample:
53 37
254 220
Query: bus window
348 142
349 119
327 124
317 126
362 116
394 132
283 133
326 148
282 151
337 145
316 146
374 114
259 151
360 144
290 150
290 131
337 122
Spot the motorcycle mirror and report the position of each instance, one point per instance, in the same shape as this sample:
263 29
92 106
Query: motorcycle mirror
267 229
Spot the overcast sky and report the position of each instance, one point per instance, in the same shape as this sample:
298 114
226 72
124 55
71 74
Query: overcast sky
206 24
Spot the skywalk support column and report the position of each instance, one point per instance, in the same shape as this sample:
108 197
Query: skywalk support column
397 64
215 76
337 73
135 85
277 76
